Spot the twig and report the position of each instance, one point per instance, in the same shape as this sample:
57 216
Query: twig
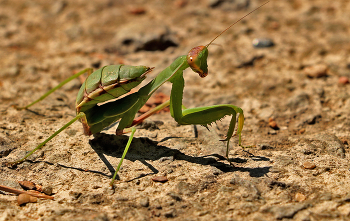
17 192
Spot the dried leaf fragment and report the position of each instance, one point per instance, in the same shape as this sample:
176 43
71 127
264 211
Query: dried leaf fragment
161 179
24 198
27 185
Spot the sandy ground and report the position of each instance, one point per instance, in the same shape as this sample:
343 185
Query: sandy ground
298 171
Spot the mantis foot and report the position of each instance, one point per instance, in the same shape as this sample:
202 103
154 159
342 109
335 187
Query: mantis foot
11 165
123 131
231 164
244 149
17 107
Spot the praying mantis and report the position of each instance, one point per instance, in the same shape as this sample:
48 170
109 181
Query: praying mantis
113 81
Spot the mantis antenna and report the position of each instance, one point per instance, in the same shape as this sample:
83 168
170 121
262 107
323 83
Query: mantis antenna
235 23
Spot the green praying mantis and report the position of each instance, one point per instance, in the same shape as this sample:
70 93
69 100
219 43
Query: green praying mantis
113 81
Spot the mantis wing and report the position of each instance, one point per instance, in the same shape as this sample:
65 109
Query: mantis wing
126 108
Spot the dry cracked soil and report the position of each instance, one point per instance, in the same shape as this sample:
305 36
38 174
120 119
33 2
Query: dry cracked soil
287 66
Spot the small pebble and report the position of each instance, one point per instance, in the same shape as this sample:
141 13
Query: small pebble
275 169
344 141
325 196
316 71
75 195
216 171
161 179
11 71
24 198
273 124
137 11
300 197
144 201
301 131
309 165
180 3
262 42
272 132
171 158
121 198
274 25
170 213
202 213
175 196
343 80
47 190
265 147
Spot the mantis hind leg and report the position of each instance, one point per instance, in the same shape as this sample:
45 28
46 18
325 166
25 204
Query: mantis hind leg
80 115
87 70
133 130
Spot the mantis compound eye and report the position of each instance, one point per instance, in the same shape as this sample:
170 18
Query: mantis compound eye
197 60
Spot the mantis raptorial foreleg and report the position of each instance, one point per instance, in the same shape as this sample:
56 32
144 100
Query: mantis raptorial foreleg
203 115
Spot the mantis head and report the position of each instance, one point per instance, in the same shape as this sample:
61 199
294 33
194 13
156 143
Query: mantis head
197 59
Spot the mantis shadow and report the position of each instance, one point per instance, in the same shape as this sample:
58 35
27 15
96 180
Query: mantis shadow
64 166
143 149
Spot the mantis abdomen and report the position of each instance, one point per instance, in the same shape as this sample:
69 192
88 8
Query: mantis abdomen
108 83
